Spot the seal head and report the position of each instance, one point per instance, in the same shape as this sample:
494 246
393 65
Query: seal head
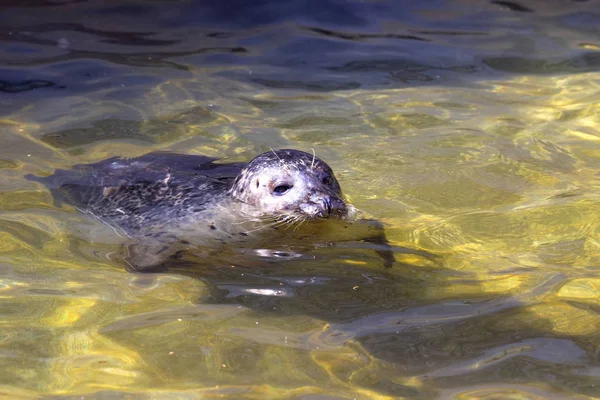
289 183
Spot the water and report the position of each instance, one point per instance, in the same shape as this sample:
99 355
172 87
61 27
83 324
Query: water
469 128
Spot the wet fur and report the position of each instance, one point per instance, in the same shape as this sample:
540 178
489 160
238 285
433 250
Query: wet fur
163 201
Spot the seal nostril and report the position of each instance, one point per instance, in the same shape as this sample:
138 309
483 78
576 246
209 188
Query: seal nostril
327 205
336 206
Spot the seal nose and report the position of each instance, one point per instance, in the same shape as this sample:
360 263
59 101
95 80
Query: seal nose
326 206
333 206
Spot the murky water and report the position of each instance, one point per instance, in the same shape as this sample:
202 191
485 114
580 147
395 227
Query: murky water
470 128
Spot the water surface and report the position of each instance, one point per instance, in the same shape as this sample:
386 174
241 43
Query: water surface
469 128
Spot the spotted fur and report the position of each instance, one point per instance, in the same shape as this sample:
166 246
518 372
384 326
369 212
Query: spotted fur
165 197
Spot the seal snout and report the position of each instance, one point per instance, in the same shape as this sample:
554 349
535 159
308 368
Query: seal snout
325 207
334 207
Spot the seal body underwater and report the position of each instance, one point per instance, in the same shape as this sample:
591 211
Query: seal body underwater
164 202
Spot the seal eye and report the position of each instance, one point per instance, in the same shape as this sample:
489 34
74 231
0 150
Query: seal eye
327 180
281 189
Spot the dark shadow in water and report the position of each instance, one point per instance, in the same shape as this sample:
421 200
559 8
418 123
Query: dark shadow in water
16 87
299 275
512 6
585 62
39 3
363 36
147 59
162 130
103 36
317 85
401 69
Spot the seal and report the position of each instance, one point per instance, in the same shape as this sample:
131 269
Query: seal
164 201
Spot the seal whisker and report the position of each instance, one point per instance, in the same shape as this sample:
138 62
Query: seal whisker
259 219
285 222
302 221
245 221
290 221
279 158
266 226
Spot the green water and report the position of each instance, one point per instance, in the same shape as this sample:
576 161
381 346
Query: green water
489 159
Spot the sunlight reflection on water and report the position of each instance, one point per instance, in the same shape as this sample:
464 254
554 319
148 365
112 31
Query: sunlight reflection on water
469 128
